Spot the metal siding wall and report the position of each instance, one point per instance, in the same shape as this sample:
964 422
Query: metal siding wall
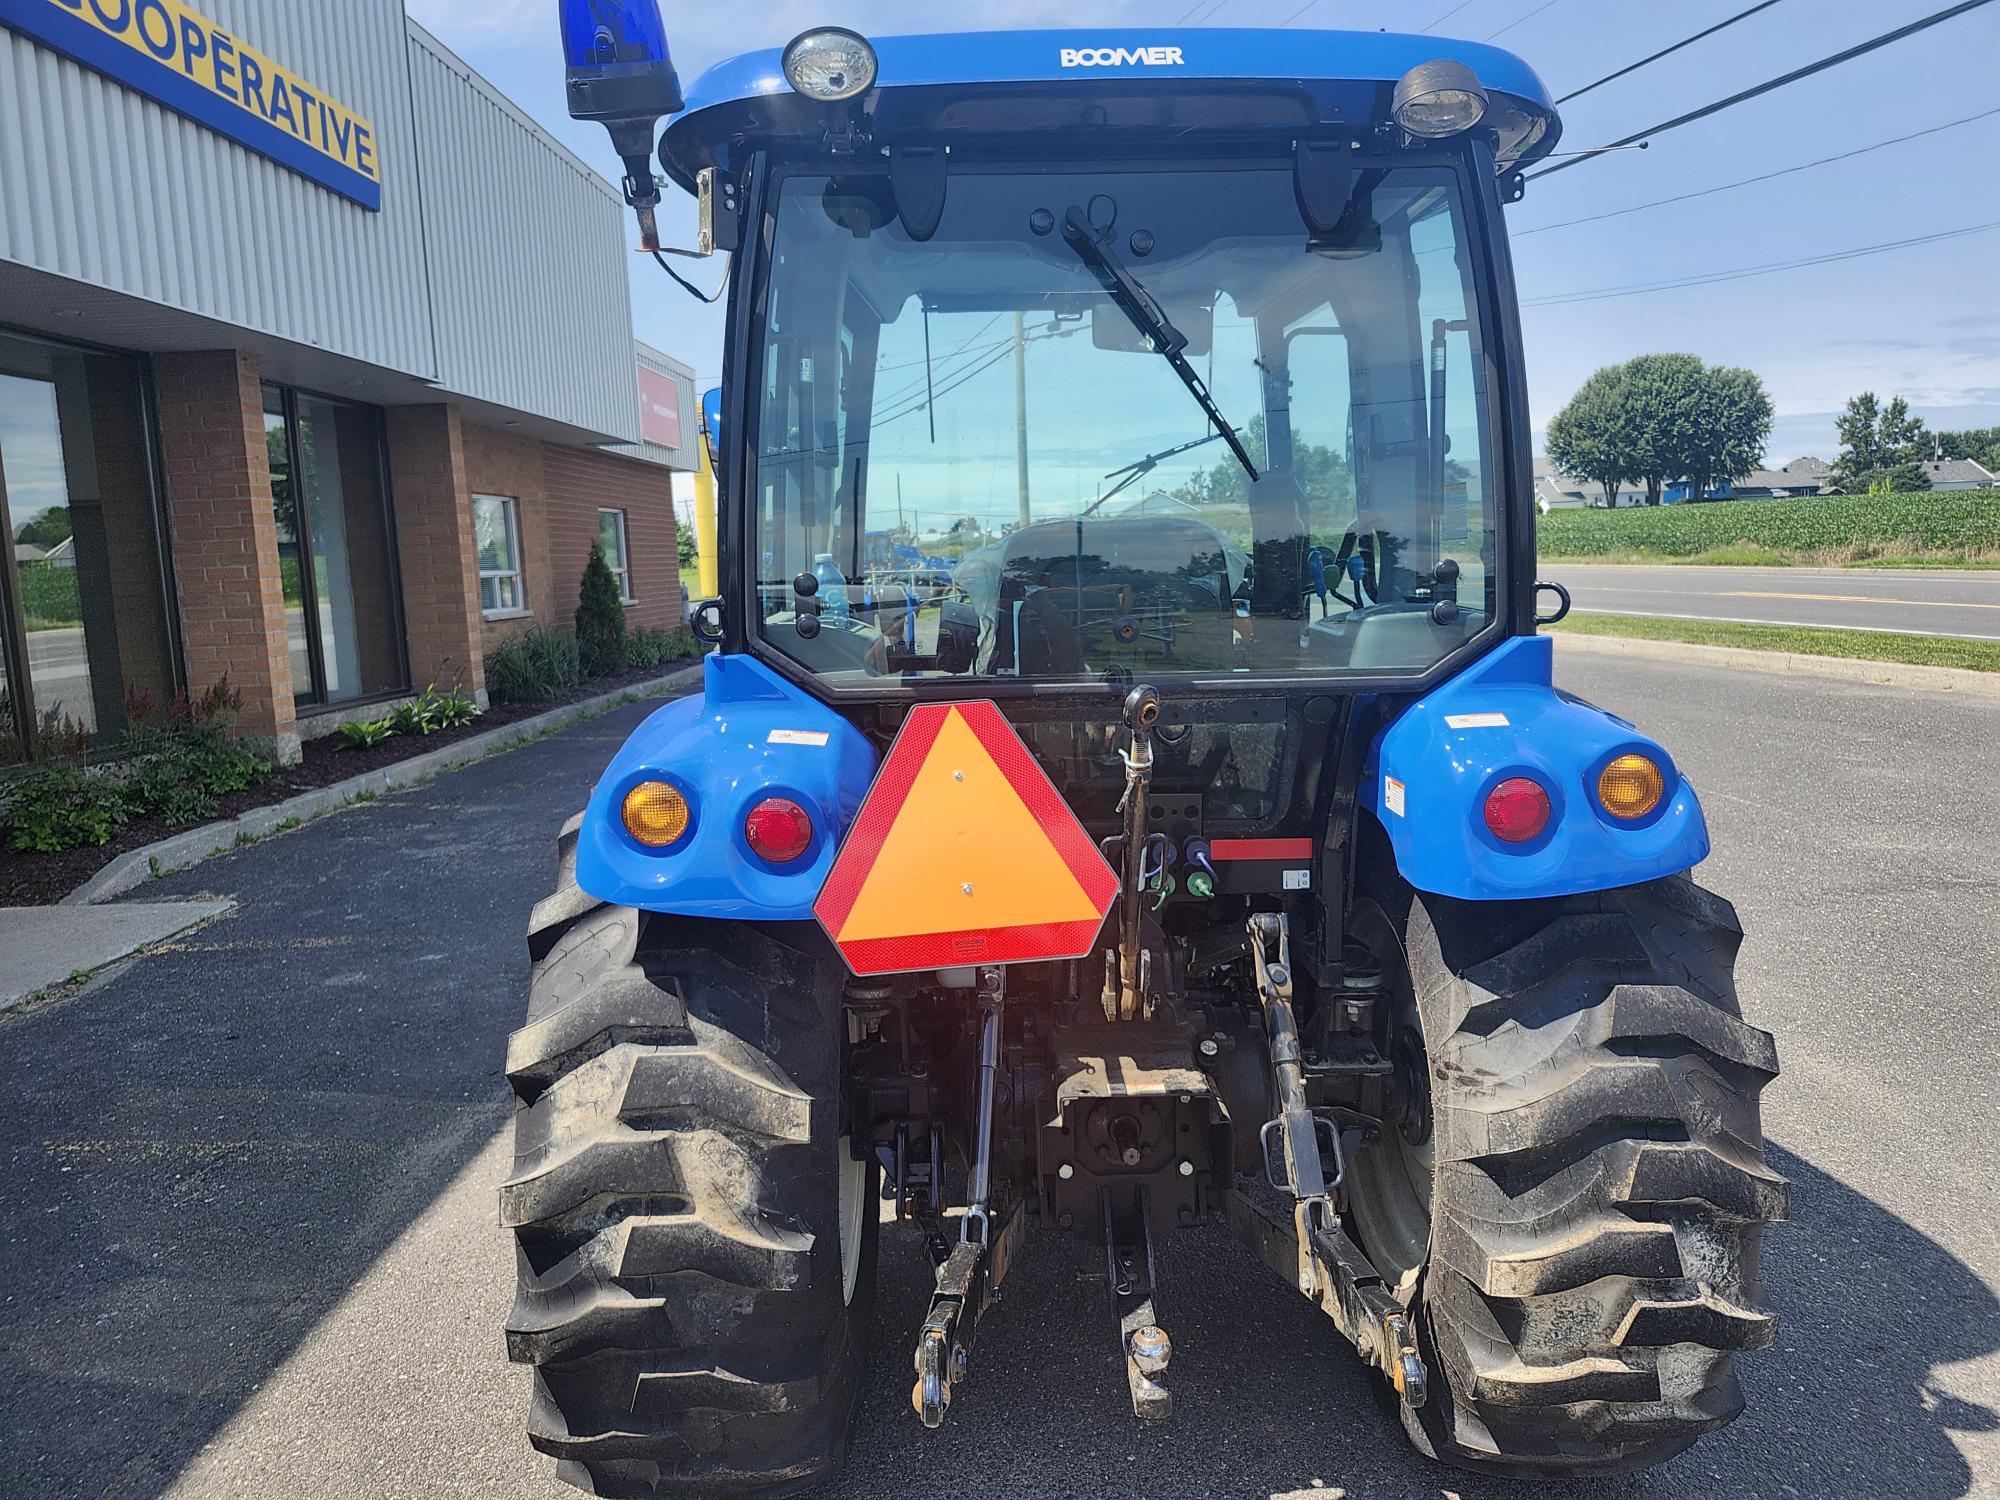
685 456
102 185
527 256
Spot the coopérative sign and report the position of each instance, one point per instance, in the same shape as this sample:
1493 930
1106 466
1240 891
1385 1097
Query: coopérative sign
178 57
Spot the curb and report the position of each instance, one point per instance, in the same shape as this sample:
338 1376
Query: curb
134 868
1955 680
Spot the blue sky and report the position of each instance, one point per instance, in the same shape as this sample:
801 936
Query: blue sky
1923 322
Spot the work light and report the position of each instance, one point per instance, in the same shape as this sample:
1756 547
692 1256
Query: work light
831 63
1438 98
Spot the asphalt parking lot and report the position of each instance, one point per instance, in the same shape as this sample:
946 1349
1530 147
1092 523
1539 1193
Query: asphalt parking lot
248 1210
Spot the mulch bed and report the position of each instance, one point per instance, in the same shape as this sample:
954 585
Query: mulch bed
44 879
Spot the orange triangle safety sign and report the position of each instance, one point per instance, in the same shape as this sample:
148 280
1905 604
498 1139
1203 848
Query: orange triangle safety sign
963 853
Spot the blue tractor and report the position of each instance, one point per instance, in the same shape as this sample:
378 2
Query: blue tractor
1209 844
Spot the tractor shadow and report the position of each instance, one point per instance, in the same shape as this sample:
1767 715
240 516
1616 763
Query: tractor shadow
1859 1397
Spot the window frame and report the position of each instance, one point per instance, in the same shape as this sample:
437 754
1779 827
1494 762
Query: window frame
314 701
518 572
622 569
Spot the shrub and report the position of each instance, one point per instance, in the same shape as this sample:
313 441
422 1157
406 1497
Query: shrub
180 764
62 806
414 715
649 646
182 776
365 734
600 617
455 708
540 663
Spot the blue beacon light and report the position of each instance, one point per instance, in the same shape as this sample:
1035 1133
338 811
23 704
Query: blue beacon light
619 73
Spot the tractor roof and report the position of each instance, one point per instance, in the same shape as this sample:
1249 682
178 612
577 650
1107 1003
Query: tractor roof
1341 77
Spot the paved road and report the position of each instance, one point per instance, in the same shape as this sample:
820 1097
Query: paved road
248 1218
1921 601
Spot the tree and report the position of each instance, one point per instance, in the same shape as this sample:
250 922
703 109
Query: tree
1664 394
600 617
1980 444
684 544
45 529
1732 420
1590 437
1875 439
1321 472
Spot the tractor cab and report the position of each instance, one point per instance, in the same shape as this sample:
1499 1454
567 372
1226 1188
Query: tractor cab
1195 362
1127 792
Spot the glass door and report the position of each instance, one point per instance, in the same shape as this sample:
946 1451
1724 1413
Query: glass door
343 612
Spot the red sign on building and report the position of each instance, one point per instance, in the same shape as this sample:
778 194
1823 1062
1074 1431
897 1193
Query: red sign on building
659 408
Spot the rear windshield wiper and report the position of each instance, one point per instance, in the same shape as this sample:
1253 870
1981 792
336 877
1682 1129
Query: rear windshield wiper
1150 319
1131 474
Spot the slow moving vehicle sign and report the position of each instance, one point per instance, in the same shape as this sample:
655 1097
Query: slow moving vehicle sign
963 853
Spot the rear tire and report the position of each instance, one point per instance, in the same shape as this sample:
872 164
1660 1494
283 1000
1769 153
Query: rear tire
695 1245
1597 1185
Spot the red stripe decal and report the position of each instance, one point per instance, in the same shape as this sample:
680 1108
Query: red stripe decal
1292 850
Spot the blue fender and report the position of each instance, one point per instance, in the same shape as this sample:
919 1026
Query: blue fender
750 735
1429 771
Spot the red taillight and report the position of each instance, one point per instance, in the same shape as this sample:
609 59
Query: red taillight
778 830
1517 810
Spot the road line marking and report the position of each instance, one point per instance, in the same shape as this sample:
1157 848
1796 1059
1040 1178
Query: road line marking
1851 599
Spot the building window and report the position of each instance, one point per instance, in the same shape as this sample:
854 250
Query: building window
497 525
336 559
611 531
83 595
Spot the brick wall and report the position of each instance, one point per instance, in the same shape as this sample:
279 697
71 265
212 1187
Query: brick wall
498 462
428 468
558 491
225 538
582 481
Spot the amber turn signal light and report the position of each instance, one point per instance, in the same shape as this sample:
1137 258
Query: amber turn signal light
1630 786
656 814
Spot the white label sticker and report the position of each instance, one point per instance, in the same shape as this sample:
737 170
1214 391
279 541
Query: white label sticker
1392 795
796 737
1298 880
1476 721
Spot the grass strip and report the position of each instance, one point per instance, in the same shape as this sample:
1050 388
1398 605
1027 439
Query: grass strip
1855 645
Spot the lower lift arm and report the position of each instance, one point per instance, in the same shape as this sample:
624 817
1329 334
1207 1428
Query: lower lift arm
1313 1252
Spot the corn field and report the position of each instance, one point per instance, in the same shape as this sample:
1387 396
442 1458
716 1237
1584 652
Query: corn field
1957 523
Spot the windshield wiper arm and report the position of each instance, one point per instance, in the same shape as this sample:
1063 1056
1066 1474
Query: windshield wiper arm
1150 319
1132 473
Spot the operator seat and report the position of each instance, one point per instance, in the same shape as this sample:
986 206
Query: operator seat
1068 588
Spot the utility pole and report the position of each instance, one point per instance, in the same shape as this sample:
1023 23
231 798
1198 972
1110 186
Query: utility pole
1021 410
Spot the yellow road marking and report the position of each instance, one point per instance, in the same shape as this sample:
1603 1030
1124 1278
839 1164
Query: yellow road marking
1852 599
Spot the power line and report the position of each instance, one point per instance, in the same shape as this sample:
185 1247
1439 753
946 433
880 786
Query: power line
1441 19
1741 15
1616 213
1710 278
1516 22
1766 87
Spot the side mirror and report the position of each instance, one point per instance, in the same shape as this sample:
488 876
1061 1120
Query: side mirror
711 426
